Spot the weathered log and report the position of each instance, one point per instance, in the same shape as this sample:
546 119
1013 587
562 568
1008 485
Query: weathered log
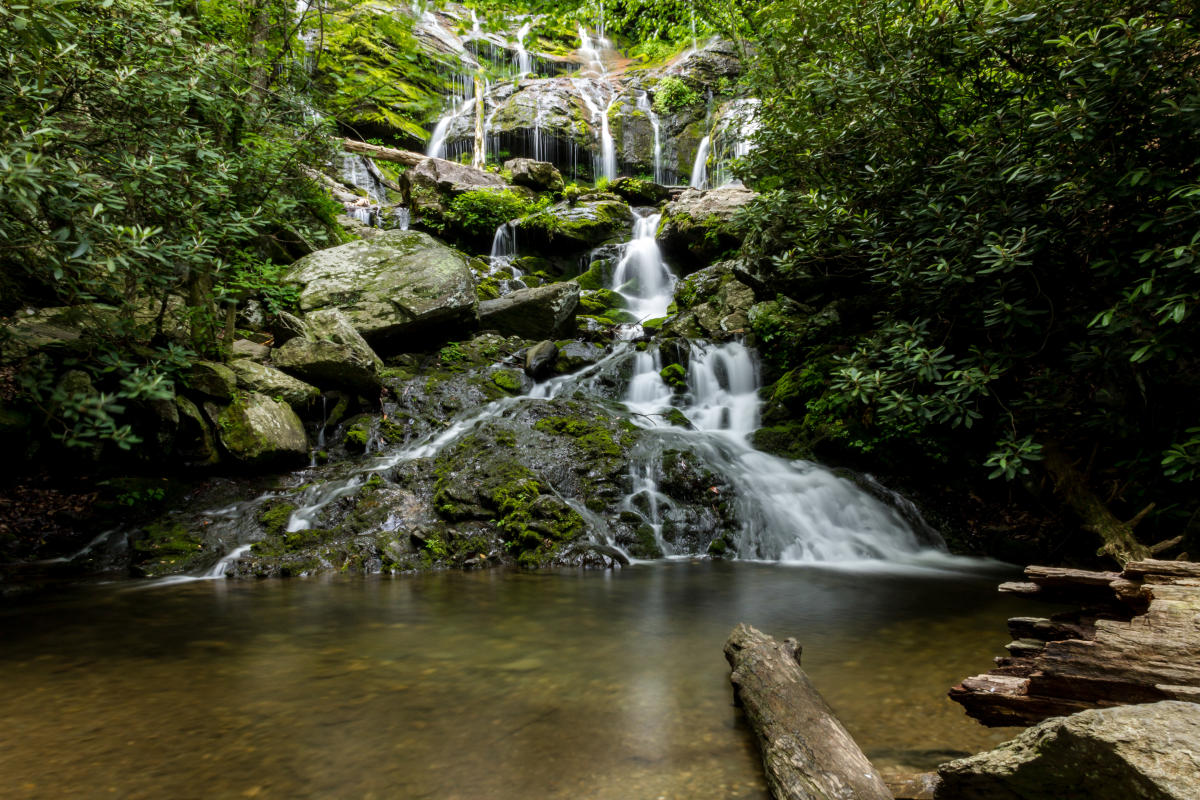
1141 645
405 157
806 752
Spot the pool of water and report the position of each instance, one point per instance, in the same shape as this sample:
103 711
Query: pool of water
474 685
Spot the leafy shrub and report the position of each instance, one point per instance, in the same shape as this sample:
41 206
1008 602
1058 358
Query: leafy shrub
672 95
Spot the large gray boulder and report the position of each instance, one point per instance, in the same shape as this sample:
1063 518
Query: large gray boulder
697 228
544 312
256 429
398 286
541 176
430 185
272 382
1149 752
330 353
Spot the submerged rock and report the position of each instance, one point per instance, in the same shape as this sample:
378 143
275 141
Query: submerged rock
546 311
330 353
1150 751
399 286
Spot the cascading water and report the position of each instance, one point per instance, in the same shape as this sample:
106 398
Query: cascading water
503 254
359 172
788 511
643 105
641 276
699 179
524 61
604 164
590 55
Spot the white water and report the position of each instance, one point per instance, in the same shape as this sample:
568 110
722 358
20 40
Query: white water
604 164
361 173
524 61
699 179
590 55
641 276
643 104
789 511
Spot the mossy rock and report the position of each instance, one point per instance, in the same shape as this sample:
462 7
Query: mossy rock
675 376
166 548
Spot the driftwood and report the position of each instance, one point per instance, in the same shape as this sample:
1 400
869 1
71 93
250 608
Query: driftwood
807 753
1133 638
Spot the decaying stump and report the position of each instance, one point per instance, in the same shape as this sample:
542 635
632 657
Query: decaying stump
807 753
1133 638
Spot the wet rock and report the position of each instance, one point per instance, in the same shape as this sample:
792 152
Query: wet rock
274 383
1149 751
563 229
400 285
712 304
541 176
638 192
540 359
212 380
244 348
698 227
546 311
331 353
706 66
575 355
429 187
256 429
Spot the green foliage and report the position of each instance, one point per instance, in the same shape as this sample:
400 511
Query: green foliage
478 213
1010 192
672 95
247 276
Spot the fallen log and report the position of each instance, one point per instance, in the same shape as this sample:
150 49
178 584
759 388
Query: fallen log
405 157
1137 640
806 752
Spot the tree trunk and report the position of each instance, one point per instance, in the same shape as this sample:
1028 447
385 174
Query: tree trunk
1118 538
807 754
406 157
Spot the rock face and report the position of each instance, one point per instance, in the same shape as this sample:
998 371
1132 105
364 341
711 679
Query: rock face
330 353
429 186
1151 752
697 227
274 383
712 304
541 176
540 359
398 286
546 311
256 429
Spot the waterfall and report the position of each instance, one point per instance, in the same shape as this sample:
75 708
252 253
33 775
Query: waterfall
590 54
524 62
641 277
604 164
643 104
699 178
361 173
608 149
504 253
479 156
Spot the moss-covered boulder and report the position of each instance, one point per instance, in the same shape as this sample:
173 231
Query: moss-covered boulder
397 287
713 304
256 429
212 380
330 353
565 230
543 312
541 176
429 187
275 383
638 192
698 228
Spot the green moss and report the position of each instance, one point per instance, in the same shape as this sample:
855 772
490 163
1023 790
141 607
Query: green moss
674 375
594 278
595 439
488 288
507 379
654 324
274 517
677 418
167 540
357 435
645 545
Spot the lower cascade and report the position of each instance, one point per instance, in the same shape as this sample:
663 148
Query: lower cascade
640 454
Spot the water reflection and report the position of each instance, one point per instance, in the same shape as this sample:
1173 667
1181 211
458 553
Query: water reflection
469 685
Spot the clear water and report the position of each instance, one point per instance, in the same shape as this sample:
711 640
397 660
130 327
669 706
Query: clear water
472 685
